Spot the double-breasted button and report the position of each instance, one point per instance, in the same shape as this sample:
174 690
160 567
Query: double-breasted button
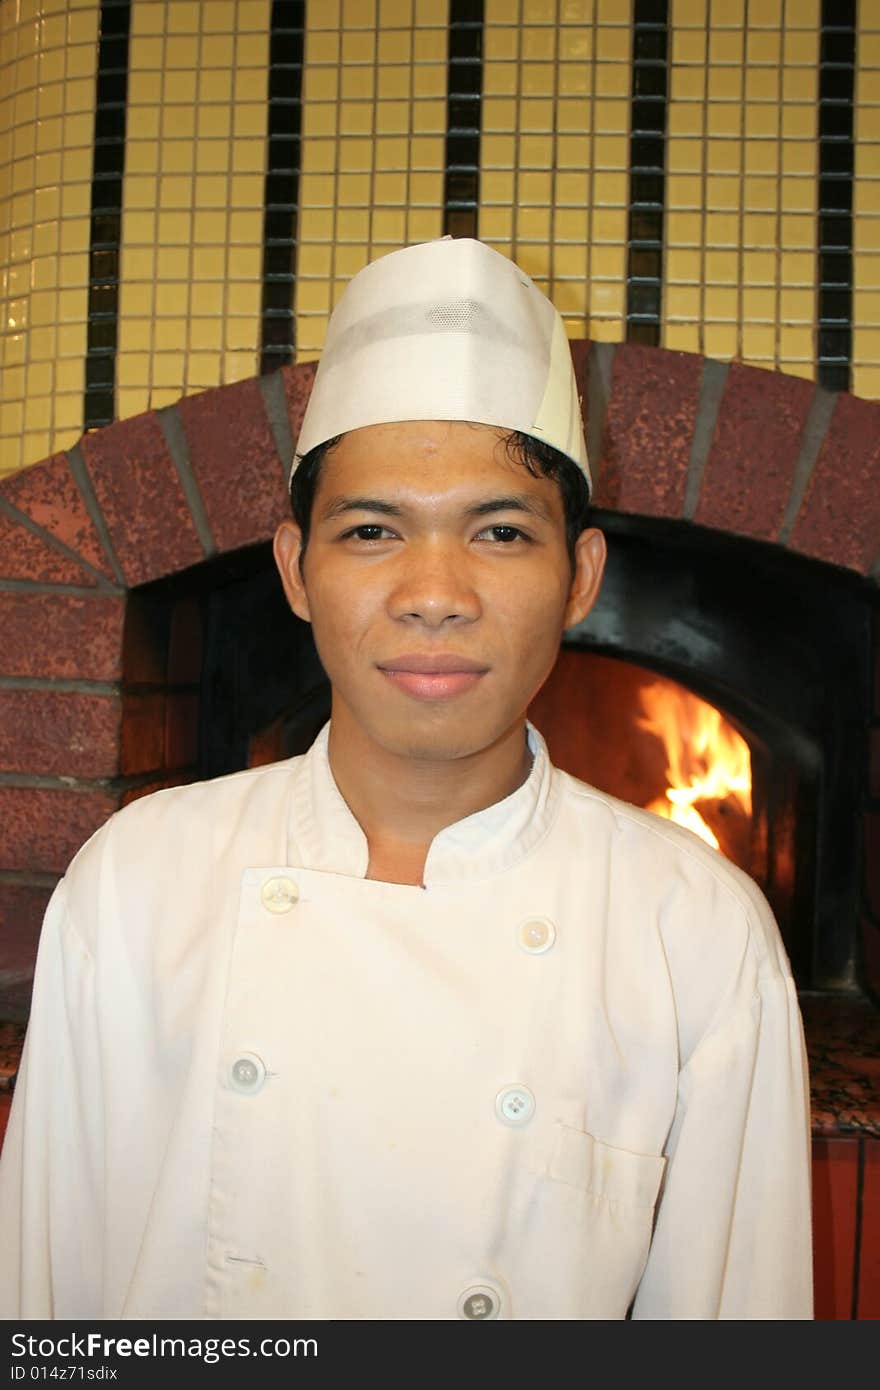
515 1105
279 894
479 1302
537 935
247 1073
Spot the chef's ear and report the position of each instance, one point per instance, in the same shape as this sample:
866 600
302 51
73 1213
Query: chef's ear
287 549
589 566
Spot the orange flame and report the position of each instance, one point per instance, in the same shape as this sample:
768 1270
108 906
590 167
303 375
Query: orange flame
706 758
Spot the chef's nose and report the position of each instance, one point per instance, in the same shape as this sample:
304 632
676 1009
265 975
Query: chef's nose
434 585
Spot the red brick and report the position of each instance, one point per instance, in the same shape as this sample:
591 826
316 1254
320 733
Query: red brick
233 456
751 463
143 733
298 382
48 494
136 483
869 1262
21 915
839 520
649 425
25 556
61 635
835 1189
59 733
5 1107
182 730
185 643
42 828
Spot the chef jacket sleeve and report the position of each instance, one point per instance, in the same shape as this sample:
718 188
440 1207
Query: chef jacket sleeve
732 1237
52 1160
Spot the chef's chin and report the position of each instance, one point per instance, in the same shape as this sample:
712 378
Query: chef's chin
440 735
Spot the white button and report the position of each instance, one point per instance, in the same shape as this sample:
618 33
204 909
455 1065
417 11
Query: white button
479 1302
515 1105
279 894
247 1073
537 935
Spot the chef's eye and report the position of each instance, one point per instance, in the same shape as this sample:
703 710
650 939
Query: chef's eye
369 531
504 533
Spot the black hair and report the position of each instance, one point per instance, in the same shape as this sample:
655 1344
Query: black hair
538 458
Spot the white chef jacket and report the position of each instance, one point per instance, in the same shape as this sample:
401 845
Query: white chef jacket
565 1079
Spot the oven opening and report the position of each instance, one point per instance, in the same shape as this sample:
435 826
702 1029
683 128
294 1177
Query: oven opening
651 741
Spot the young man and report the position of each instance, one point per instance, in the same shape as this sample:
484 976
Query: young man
415 1026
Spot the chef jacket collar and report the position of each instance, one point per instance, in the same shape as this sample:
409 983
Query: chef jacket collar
324 834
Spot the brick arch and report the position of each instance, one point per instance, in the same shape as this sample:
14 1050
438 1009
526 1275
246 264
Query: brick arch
737 449
92 715
730 447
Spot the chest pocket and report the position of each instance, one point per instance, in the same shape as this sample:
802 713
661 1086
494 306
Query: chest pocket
578 1230
609 1174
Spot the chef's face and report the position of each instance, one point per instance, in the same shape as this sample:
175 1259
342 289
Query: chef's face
437 582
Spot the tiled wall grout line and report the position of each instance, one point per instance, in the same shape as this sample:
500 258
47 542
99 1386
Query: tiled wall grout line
172 431
68 784
815 430
83 481
30 586
275 401
115 784
712 384
27 878
600 364
70 687
22 519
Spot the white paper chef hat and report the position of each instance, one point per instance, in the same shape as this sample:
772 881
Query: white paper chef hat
446 330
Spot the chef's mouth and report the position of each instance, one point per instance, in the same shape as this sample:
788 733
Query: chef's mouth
433 664
433 679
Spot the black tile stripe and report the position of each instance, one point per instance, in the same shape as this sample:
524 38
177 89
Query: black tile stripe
647 171
837 70
464 87
108 165
281 189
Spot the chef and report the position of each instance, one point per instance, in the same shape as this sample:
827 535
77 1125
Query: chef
414 1026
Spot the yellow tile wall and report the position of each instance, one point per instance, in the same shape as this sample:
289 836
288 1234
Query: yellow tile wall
741 185
192 227
374 122
555 151
866 208
742 169
47 93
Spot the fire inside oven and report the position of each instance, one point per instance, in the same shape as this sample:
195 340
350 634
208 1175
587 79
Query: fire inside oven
652 742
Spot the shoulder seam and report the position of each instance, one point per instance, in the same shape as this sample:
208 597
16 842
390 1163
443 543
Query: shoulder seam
67 915
621 811
241 773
